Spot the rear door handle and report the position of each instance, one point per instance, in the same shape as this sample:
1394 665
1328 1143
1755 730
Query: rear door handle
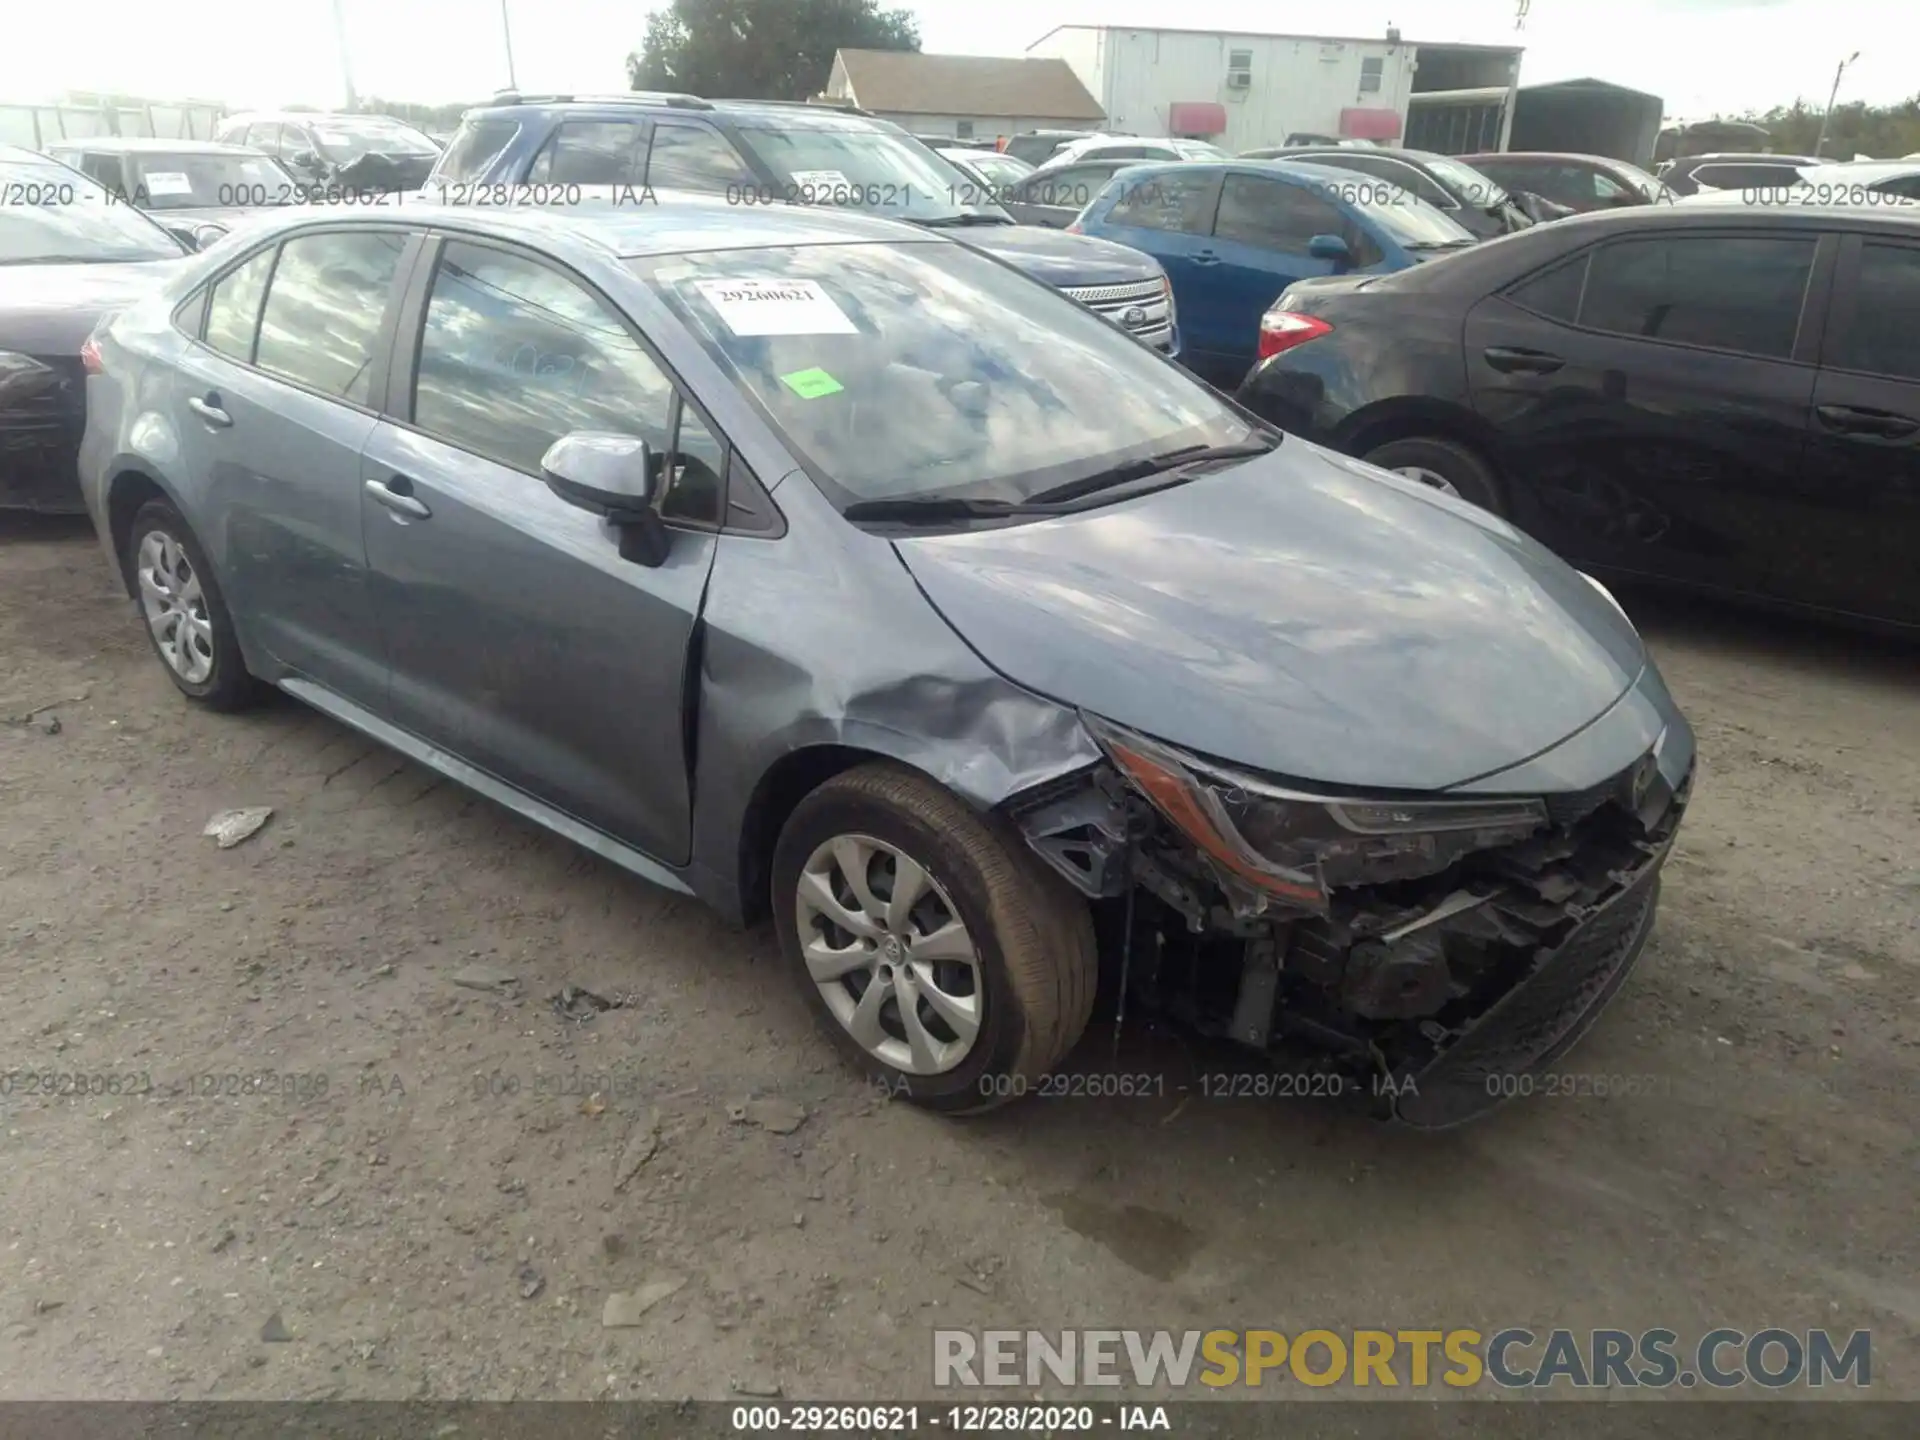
1516 360
209 410
1205 257
1853 420
397 495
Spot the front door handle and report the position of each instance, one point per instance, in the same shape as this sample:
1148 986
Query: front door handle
1204 257
209 410
1516 360
1853 420
396 494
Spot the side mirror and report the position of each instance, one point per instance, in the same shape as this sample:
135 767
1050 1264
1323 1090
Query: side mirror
205 233
187 235
1330 247
305 159
615 477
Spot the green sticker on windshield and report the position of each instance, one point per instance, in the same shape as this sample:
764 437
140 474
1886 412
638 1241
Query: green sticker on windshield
812 384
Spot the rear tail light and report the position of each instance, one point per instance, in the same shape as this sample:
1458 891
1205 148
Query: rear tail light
1075 229
90 357
1001 144
1282 330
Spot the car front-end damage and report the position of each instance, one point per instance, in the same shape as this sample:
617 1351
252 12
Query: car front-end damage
1434 948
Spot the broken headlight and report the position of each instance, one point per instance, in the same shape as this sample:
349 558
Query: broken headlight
1298 847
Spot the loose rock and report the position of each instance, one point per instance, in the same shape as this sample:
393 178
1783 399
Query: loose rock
230 827
485 977
275 1331
642 1141
624 1308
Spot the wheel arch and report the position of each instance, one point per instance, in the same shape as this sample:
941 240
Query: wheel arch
781 788
1408 416
131 487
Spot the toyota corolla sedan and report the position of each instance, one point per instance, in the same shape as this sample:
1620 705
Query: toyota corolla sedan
830 569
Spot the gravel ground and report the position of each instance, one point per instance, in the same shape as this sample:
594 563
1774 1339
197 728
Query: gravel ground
451 1173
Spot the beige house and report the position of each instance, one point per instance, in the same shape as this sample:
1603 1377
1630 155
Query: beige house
970 97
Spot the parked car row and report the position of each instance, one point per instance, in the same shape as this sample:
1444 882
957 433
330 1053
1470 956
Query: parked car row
823 566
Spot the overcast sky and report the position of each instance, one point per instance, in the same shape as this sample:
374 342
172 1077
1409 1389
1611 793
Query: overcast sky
1700 55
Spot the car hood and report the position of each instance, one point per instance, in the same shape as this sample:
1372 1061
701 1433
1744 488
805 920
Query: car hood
51 309
1301 614
1061 259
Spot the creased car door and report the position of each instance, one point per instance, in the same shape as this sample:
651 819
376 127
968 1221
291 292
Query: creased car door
517 637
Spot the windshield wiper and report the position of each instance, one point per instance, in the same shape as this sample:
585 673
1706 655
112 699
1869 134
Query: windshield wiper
942 507
1182 459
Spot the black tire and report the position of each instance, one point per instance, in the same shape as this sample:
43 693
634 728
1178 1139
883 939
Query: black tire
1461 467
227 686
1032 932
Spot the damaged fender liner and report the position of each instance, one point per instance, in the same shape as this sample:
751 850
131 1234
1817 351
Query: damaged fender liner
1436 990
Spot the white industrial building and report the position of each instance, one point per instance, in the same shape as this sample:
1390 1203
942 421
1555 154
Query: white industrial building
1241 91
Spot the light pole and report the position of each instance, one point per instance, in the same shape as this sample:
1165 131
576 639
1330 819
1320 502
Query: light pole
1833 94
340 39
506 29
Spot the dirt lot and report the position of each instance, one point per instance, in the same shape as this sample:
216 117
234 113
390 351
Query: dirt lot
449 1216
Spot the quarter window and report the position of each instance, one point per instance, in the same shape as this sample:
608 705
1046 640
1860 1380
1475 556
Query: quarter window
1723 292
692 157
1554 293
324 307
515 355
233 309
1881 337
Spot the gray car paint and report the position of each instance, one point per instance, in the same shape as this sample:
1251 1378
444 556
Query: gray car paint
1301 614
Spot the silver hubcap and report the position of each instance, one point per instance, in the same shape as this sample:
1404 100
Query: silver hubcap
890 954
176 608
1427 477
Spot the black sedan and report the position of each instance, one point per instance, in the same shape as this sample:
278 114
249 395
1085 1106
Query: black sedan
1472 200
1727 401
69 254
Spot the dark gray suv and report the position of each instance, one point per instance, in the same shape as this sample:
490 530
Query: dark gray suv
820 566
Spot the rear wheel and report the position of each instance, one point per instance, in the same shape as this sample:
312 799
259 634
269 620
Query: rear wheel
187 619
1447 465
936 950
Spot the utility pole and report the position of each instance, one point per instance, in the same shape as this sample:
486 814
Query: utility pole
1832 95
340 39
506 29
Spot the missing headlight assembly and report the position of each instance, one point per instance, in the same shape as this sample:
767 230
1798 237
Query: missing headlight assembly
1435 944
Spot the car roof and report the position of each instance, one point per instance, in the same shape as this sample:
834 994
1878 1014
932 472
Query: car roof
1306 174
824 116
149 145
1714 217
1863 172
1748 157
1574 155
665 223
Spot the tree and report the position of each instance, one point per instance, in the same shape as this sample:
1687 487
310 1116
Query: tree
761 49
1887 132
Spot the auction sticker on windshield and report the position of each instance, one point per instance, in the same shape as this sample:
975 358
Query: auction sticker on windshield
812 384
775 307
821 179
168 182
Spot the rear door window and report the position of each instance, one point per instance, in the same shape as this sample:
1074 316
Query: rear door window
594 152
1746 177
1739 293
1072 187
324 307
693 157
1171 200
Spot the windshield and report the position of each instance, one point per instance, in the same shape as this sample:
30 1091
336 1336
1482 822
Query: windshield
1640 180
1404 215
859 168
920 370
998 169
1474 186
52 215
176 182
344 141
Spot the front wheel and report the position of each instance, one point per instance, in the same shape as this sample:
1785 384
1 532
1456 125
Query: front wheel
1446 465
936 950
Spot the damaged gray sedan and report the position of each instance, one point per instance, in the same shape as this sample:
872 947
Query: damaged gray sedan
831 570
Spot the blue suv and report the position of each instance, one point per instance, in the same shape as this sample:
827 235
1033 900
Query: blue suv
1233 234
767 152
